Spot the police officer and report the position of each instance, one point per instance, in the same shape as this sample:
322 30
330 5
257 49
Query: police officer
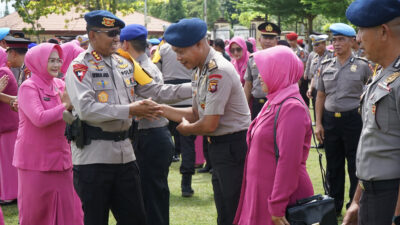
17 48
252 87
303 55
175 73
219 111
338 124
378 153
314 60
102 91
153 146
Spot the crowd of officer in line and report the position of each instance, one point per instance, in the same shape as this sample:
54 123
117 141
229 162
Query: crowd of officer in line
353 86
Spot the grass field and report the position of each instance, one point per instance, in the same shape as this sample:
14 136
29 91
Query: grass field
200 209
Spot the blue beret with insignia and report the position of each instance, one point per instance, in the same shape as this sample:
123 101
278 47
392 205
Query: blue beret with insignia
133 32
154 41
371 13
103 19
342 29
186 32
4 32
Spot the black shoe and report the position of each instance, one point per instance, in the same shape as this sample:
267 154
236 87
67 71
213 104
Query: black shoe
175 158
320 145
186 185
206 169
211 170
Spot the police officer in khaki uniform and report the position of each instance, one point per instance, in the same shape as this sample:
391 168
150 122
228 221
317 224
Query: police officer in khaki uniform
16 50
338 124
252 87
378 153
102 91
153 143
314 63
219 111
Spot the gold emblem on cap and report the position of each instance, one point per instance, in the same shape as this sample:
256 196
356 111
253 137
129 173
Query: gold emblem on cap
269 28
392 78
108 22
353 68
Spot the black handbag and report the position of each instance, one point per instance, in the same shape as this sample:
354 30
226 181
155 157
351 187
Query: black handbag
317 209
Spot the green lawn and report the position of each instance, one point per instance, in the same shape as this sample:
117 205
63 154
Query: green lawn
199 209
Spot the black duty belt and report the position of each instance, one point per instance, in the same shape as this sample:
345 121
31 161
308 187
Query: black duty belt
177 81
260 100
228 137
341 114
373 186
96 133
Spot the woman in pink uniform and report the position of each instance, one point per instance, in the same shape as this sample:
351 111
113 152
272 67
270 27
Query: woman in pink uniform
42 153
237 50
269 187
8 134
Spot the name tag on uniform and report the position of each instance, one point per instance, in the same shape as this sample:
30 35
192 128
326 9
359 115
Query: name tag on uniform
46 99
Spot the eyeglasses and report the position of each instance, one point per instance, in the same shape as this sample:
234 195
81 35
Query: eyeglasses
233 50
55 60
110 33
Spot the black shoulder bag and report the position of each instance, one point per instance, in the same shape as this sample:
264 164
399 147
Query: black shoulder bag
314 210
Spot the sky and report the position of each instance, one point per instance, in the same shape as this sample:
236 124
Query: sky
3 8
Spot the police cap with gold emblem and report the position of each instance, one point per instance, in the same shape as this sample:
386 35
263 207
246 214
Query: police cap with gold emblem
103 19
186 32
269 29
371 13
316 39
13 43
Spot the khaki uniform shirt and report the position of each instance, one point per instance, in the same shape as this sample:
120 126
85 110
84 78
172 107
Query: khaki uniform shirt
378 153
315 64
172 69
100 89
343 84
217 90
251 75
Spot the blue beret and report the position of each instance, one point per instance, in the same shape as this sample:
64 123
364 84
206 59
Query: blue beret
186 32
342 29
133 32
154 41
4 32
103 19
31 45
371 13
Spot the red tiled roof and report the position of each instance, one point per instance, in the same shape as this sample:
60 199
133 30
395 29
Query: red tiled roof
56 24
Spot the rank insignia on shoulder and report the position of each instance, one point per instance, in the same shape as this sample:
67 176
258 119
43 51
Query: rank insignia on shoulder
103 97
80 71
353 68
96 56
396 65
212 65
213 86
392 78
218 76
326 61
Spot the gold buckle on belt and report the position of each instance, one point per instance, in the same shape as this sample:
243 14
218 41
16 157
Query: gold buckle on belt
338 115
261 101
362 185
209 140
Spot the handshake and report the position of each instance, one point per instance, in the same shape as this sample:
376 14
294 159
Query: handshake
145 109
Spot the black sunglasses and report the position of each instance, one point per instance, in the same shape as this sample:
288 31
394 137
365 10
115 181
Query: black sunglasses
110 33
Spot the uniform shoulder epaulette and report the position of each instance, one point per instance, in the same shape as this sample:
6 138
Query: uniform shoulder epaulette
325 61
212 65
390 79
251 55
363 59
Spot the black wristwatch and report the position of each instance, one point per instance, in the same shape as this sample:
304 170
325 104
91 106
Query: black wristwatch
396 220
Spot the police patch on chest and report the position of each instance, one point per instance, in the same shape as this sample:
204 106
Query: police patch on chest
213 86
103 97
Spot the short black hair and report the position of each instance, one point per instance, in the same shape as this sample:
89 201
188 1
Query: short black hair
220 43
54 41
284 43
139 45
249 46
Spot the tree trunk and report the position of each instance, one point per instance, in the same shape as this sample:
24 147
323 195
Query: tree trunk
310 19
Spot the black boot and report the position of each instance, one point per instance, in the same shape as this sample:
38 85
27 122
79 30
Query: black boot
205 169
186 185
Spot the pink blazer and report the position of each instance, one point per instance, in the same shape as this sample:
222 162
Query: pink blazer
41 144
8 118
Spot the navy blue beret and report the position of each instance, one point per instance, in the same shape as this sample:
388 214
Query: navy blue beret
133 32
186 32
342 29
371 13
103 19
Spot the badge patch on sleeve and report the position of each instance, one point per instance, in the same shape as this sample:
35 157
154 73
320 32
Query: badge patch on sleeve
218 76
80 71
103 97
213 86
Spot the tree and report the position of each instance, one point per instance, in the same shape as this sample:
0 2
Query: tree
175 10
194 8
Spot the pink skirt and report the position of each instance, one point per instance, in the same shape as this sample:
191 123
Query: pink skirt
8 173
48 198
